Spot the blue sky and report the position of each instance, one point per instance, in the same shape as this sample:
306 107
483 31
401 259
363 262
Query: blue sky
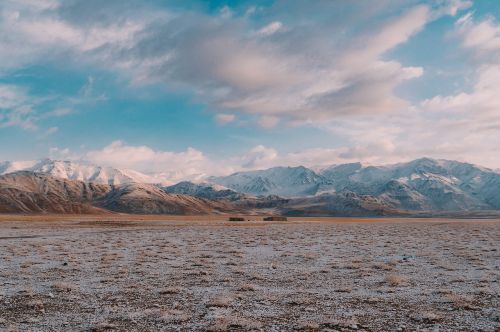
208 87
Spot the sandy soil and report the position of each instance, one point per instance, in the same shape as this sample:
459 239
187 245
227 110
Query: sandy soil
137 273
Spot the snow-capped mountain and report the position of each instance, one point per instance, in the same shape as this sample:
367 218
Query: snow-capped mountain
422 184
283 181
73 170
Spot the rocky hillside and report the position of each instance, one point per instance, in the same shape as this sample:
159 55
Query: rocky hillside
149 199
28 192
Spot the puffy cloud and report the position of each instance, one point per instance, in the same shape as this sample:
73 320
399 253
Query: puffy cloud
482 37
172 166
142 157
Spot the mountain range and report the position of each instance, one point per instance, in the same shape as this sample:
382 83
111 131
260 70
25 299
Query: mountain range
420 186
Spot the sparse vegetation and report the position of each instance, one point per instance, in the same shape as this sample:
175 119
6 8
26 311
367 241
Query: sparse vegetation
252 276
395 280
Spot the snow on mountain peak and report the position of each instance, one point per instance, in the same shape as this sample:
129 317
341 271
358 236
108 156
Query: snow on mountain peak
77 170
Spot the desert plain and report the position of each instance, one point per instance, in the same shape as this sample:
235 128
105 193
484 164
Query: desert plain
145 273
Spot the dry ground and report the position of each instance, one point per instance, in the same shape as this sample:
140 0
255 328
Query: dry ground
142 274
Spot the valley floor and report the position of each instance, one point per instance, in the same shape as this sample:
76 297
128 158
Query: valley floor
137 273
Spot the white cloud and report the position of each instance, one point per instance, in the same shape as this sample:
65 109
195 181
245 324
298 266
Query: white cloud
46 35
271 28
451 7
18 108
15 109
62 154
482 37
466 125
225 118
11 96
258 157
307 73
190 164
22 116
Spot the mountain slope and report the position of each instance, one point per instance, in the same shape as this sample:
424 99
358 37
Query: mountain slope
150 199
339 204
27 192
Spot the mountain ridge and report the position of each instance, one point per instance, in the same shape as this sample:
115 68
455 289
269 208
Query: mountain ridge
420 185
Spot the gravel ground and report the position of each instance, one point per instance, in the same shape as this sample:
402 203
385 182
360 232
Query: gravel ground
395 275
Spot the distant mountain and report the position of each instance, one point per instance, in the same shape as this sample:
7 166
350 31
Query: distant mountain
149 199
284 181
204 190
420 186
81 171
28 192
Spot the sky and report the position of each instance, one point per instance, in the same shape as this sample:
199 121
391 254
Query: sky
211 87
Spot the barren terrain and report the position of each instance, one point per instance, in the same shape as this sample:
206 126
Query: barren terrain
137 273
